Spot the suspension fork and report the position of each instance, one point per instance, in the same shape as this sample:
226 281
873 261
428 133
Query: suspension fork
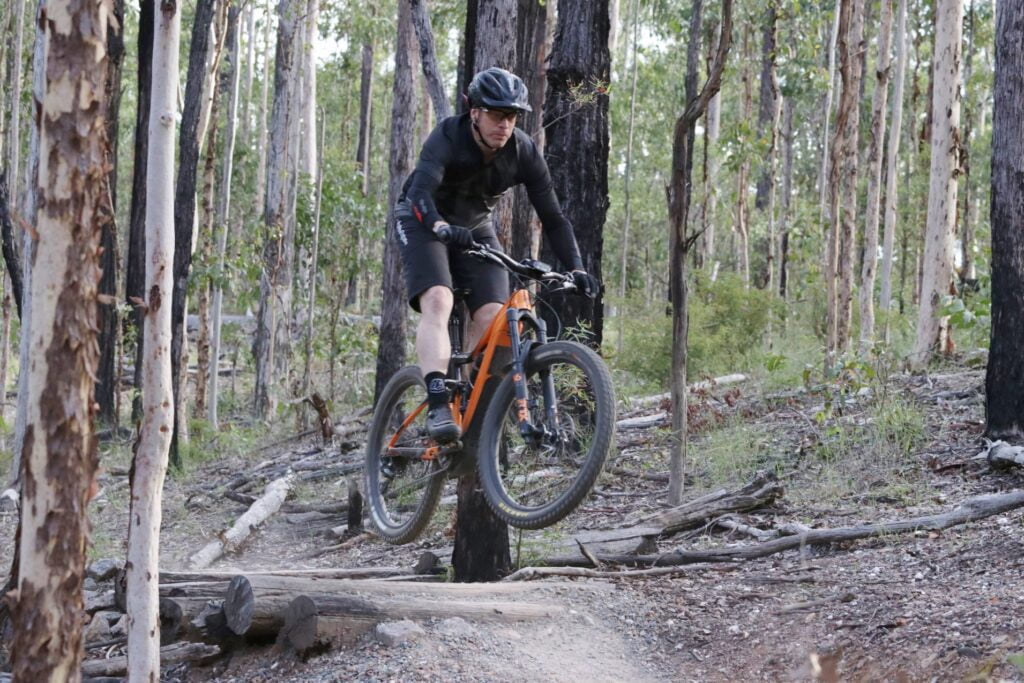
520 352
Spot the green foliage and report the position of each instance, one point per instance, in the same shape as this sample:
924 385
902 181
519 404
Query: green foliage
971 313
728 323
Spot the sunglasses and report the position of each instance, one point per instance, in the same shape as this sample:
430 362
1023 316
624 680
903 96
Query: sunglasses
499 115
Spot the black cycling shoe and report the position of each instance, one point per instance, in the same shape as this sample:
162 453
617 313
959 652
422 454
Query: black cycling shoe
441 426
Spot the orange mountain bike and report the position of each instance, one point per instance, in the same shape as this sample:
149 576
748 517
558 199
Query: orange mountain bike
537 419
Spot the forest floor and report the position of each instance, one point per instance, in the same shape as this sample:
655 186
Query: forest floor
926 605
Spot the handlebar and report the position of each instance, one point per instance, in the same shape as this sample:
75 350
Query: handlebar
527 268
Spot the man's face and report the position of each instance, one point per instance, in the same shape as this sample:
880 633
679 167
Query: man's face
495 125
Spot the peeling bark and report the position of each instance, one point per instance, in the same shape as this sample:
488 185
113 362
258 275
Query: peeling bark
59 455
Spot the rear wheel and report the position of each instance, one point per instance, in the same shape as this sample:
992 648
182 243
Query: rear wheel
403 481
535 480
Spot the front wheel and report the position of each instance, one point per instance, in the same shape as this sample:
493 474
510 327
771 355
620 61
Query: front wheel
404 478
534 480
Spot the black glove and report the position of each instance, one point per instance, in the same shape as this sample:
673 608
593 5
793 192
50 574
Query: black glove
586 284
455 236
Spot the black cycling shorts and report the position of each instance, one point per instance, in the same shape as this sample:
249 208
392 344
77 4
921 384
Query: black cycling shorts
427 262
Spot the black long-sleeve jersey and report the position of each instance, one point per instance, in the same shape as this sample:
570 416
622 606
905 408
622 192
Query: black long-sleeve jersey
452 183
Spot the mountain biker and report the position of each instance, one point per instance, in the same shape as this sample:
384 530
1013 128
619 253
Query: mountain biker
466 164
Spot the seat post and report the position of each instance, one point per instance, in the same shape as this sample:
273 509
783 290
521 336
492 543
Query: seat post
457 327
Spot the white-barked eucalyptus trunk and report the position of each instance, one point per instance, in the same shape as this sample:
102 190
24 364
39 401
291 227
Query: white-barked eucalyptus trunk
932 327
58 456
157 412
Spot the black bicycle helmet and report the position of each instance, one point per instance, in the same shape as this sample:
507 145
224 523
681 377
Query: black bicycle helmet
499 89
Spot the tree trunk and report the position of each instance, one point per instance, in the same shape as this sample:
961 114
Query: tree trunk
742 215
106 378
150 463
577 149
713 164
224 207
481 541
874 162
892 166
308 139
391 340
787 199
532 51
59 457
12 253
494 44
767 104
185 204
680 240
773 162
626 206
428 61
932 328
28 212
967 271
261 122
273 339
14 129
207 230
135 265
843 178
314 259
365 115
824 173
1004 393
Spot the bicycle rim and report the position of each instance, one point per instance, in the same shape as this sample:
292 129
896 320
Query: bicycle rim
402 486
534 481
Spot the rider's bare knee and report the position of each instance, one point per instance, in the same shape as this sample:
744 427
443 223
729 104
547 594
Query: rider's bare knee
436 303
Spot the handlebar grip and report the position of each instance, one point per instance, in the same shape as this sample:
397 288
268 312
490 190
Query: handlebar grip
444 233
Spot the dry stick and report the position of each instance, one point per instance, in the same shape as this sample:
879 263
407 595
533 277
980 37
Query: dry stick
178 652
263 508
970 510
530 573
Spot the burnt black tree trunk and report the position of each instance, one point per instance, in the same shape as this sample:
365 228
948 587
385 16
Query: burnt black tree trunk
1004 379
12 257
531 55
766 103
185 196
391 342
106 315
576 148
135 266
481 541
467 62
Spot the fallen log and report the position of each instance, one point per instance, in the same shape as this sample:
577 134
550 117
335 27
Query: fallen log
258 513
1001 455
532 573
640 538
298 585
703 385
255 611
763 490
170 654
302 630
970 510
224 576
648 476
643 421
